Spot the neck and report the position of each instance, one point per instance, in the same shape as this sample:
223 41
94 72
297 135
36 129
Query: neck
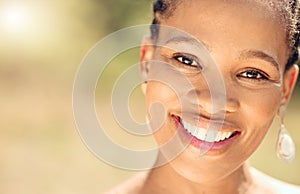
166 180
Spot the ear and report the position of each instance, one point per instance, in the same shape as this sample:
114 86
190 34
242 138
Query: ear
289 82
146 55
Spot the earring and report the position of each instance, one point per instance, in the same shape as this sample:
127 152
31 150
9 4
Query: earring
285 144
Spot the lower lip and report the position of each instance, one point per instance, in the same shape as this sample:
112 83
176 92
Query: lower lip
205 146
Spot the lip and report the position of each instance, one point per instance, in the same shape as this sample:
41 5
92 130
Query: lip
211 147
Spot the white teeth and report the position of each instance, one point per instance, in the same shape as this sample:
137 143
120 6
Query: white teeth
194 130
219 135
228 135
223 136
200 133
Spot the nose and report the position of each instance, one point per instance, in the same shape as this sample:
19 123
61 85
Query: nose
214 102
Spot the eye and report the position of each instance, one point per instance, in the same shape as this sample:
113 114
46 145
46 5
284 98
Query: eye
187 60
254 74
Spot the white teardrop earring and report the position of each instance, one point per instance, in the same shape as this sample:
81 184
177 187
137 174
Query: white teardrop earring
285 144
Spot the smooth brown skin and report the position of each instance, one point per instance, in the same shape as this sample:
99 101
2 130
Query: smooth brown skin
227 29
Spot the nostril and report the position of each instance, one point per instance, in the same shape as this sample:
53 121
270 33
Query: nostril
232 105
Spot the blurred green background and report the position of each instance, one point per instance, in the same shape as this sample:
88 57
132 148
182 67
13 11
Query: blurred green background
41 46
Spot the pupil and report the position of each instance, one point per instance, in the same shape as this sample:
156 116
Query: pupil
186 61
252 74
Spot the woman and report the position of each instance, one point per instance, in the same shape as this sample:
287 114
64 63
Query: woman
255 48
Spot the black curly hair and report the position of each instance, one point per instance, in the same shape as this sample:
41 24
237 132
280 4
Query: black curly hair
290 10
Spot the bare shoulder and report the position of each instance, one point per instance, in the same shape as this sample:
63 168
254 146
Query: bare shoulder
131 186
268 184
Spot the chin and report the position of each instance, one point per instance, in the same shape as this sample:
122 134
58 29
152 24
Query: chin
203 170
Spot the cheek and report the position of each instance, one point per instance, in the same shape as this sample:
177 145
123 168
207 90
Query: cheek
260 108
161 101
255 115
169 94
158 93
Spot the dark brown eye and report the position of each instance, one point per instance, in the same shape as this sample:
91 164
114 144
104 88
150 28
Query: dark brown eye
253 74
187 60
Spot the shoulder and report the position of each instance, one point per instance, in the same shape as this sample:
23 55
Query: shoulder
131 186
267 184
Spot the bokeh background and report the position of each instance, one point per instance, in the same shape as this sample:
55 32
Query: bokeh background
42 44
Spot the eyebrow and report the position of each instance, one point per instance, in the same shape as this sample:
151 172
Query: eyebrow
178 39
243 55
259 54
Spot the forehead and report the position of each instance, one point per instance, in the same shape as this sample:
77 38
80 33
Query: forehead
233 26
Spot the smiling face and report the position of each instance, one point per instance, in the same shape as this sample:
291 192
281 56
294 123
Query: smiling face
248 45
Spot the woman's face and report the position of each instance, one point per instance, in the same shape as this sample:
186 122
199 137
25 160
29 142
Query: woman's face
248 46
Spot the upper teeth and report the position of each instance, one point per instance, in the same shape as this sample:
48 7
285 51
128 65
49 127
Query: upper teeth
201 133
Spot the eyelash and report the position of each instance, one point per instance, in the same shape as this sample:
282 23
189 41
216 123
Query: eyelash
187 60
183 59
257 75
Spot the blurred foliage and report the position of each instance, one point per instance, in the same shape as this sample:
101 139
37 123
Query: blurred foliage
120 13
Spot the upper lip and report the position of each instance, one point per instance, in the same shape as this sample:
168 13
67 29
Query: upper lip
209 122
